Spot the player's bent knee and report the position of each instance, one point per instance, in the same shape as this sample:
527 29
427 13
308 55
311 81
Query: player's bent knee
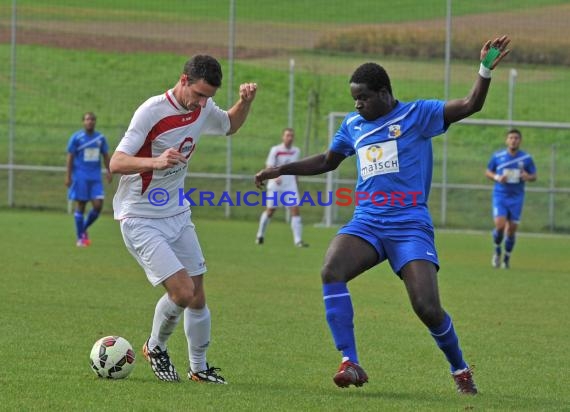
182 298
180 288
328 275
429 313
198 301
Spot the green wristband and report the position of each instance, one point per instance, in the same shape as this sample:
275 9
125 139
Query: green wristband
492 54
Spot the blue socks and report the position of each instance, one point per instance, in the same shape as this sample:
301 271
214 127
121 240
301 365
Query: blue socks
509 245
339 313
91 217
448 342
79 226
82 225
498 239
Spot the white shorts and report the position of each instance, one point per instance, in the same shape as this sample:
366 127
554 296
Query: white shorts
164 246
281 195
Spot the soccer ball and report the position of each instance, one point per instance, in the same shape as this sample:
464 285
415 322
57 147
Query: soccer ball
112 357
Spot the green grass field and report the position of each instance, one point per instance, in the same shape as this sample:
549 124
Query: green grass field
269 332
366 11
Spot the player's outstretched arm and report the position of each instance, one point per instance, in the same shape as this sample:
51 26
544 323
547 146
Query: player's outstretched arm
312 165
491 54
239 111
127 165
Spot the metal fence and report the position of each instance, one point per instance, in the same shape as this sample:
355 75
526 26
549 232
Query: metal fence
307 80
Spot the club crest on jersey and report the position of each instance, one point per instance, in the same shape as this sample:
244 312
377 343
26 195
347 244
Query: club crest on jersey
187 147
378 159
394 131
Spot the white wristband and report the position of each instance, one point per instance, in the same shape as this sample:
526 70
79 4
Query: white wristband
497 178
484 72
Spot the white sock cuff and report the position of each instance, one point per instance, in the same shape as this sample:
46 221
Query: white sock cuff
170 306
198 313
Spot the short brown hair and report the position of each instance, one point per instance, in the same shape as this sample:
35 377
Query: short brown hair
204 67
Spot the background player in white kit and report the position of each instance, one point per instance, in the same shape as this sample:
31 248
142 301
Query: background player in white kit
157 230
282 186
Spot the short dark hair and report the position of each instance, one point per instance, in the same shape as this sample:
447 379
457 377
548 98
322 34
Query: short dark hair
517 131
288 129
372 75
204 67
90 114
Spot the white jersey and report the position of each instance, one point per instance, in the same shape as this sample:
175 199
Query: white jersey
159 124
278 156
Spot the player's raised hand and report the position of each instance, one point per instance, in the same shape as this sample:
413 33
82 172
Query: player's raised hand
265 174
494 51
169 158
247 91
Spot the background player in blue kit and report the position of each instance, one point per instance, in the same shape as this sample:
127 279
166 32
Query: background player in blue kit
392 141
84 151
510 169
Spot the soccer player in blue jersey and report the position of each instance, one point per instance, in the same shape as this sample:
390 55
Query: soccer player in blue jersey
84 151
509 169
392 143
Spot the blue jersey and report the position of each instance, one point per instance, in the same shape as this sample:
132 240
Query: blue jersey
87 150
503 163
394 160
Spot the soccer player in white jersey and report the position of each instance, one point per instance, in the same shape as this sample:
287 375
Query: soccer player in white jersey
391 141
283 189
155 220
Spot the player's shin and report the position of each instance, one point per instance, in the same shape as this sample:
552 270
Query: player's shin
263 222
509 244
166 317
79 226
91 217
297 228
197 326
498 239
340 314
447 340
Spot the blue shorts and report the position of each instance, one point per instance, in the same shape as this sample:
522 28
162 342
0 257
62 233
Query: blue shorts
510 208
84 190
399 246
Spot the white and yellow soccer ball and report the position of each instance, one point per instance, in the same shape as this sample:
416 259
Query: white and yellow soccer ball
112 357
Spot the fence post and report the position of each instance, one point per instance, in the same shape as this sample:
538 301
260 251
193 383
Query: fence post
12 107
329 175
551 190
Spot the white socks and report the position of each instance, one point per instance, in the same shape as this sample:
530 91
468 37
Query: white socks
297 228
166 317
263 222
197 326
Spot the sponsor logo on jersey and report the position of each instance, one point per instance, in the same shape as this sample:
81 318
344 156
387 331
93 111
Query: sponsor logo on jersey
187 147
378 159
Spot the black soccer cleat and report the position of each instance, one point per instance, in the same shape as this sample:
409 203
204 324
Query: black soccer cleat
209 375
160 363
